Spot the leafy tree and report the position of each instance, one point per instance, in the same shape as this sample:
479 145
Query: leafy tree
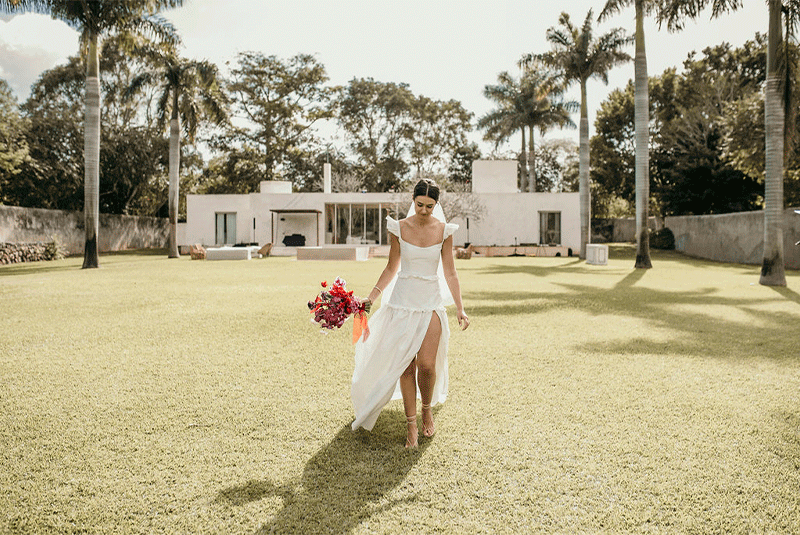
13 145
690 116
744 123
275 103
190 91
304 167
94 19
377 119
697 180
53 176
239 170
557 164
779 79
439 129
133 155
580 56
460 169
613 149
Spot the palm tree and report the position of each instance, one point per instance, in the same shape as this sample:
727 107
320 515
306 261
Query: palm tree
580 57
641 124
189 90
505 120
530 102
777 87
93 19
542 92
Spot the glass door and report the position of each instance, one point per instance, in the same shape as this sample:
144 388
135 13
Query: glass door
226 228
550 228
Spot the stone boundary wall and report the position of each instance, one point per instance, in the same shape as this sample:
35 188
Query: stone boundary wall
617 230
14 253
117 232
736 237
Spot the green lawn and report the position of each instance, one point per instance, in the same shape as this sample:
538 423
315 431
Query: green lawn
178 396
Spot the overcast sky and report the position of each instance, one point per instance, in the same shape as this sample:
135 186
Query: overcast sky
444 49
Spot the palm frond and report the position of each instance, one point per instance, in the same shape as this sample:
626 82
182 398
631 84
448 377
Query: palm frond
675 12
138 82
613 7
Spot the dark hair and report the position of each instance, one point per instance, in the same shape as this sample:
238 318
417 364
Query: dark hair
427 188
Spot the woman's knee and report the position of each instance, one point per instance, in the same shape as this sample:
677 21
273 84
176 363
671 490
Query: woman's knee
427 366
411 369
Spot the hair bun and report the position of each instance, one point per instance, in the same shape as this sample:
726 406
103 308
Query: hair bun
428 188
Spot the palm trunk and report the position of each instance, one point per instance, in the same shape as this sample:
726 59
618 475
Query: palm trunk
531 162
772 269
523 155
91 156
584 194
642 121
174 174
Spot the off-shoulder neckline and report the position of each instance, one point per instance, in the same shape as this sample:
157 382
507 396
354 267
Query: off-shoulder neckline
439 244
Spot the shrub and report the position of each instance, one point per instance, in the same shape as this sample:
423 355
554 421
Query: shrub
662 239
53 250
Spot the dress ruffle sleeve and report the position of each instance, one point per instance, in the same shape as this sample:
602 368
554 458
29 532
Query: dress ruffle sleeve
449 229
393 226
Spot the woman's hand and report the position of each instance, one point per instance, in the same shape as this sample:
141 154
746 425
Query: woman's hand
463 320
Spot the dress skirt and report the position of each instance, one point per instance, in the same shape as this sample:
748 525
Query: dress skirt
396 336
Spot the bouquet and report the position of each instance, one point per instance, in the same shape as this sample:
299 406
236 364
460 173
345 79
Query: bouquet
333 306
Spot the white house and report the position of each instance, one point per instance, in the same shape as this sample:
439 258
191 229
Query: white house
288 220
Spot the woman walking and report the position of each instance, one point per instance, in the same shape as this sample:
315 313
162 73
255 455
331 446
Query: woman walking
406 350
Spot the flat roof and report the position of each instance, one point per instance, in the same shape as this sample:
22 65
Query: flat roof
297 211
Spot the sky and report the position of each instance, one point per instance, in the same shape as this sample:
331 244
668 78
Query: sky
444 49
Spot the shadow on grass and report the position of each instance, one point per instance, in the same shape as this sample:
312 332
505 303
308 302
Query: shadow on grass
342 484
631 278
48 266
788 293
31 268
698 327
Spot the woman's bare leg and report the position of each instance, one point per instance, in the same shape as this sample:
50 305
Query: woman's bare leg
408 387
426 371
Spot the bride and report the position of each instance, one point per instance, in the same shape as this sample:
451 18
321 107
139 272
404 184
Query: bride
407 347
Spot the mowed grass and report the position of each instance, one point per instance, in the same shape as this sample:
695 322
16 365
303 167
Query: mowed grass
178 396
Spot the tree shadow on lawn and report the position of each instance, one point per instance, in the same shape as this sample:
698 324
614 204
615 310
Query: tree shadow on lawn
35 268
696 332
788 293
73 262
342 483
616 252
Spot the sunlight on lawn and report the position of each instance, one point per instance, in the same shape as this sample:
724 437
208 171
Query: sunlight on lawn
157 395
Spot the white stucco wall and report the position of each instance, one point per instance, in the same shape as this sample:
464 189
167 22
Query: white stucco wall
511 218
201 213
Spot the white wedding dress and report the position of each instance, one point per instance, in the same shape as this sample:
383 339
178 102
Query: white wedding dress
398 328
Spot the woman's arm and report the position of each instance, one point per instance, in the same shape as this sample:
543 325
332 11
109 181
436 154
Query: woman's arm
451 276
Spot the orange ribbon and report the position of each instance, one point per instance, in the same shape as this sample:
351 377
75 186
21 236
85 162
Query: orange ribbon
360 326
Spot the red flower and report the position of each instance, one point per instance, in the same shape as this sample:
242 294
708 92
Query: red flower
332 307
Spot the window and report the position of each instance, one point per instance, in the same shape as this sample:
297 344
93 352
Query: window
226 228
550 228
358 223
